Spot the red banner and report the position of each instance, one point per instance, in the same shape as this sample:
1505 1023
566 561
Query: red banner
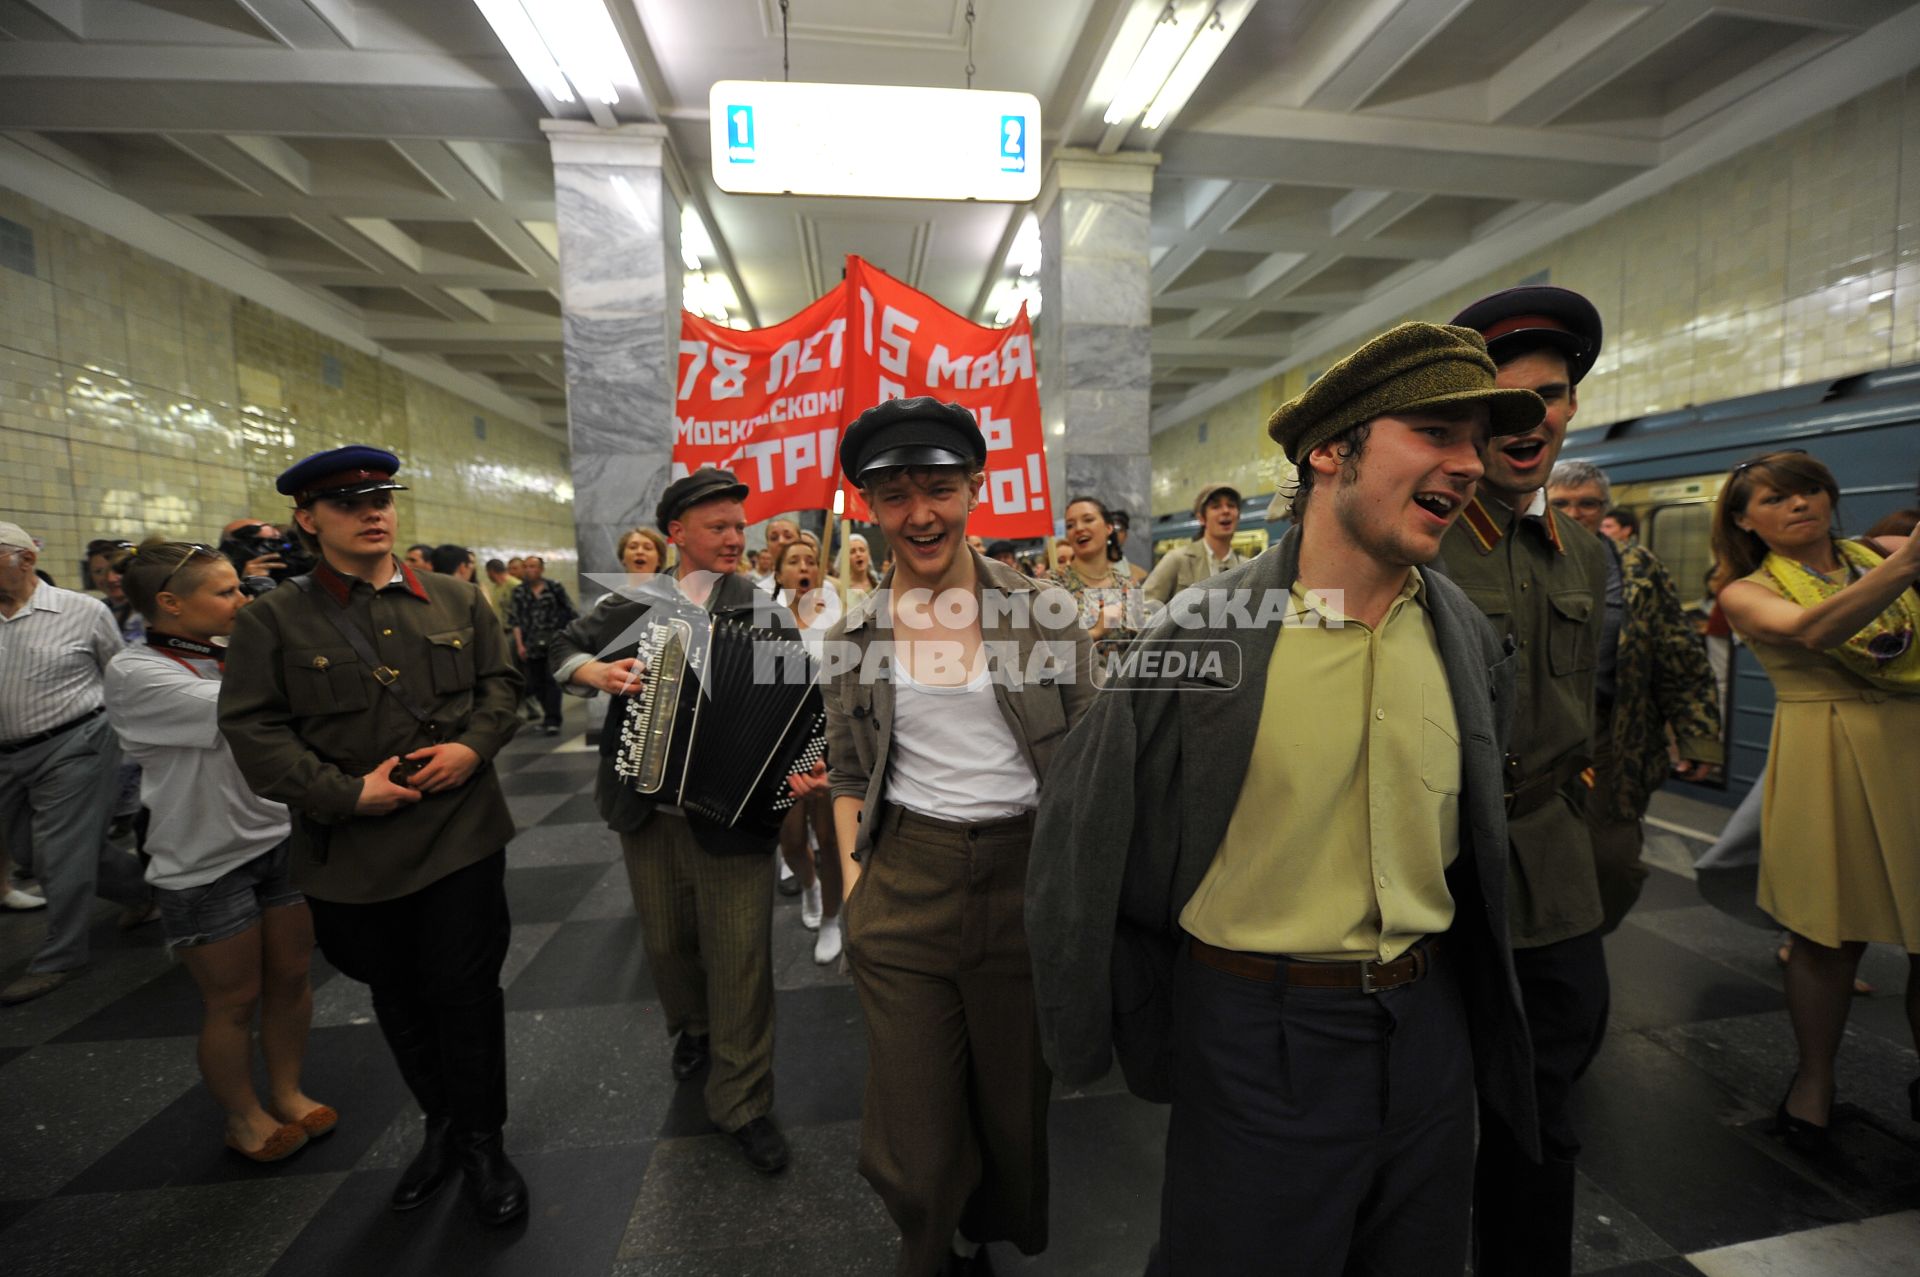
771 403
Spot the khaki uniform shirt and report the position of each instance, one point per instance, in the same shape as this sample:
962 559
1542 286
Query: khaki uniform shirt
1350 811
1541 579
1186 565
306 720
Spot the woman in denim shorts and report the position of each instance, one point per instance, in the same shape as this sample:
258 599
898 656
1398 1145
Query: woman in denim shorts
219 853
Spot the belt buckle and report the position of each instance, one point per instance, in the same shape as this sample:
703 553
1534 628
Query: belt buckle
384 675
1366 979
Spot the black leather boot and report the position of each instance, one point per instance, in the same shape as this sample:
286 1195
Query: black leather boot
473 1051
413 1035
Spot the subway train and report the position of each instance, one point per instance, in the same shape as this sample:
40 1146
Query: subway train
1668 469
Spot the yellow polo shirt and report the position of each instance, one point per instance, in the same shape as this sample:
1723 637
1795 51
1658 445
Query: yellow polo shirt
1349 813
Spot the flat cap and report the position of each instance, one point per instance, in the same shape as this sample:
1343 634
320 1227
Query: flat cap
704 484
351 471
14 537
1405 369
1516 320
920 431
1211 490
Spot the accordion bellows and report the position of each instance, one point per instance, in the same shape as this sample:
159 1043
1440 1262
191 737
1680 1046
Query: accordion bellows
723 715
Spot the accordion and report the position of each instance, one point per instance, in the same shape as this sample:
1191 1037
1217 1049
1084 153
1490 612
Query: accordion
723 714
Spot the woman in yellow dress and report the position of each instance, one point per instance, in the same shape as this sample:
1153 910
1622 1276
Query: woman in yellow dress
1836 624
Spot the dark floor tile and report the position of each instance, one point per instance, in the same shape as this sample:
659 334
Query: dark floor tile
610 897
819 1065
701 1196
346 1067
517 784
1607 1234
1106 1156
8 1053
1656 982
222 1230
1656 1137
577 810
548 893
1666 890
553 1105
529 810
162 1007
9 1212
110 978
586 964
68 1103
1669 1266
589 843
855 1254
582 766
580 1201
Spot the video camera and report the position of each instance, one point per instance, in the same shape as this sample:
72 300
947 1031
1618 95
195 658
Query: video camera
253 541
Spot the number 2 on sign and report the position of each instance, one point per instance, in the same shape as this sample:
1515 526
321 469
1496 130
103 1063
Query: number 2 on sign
1010 140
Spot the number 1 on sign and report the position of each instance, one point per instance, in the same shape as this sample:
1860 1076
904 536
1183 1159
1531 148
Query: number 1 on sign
740 122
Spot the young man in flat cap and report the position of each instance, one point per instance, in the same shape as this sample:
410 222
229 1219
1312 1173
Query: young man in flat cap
704 892
1543 582
1217 507
1652 676
371 700
954 683
1307 952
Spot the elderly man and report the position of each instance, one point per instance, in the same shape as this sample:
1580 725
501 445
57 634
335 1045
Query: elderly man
1217 506
1326 902
1652 675
59 760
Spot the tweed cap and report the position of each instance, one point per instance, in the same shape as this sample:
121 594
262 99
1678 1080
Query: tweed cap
1211 490
688 491
1405 369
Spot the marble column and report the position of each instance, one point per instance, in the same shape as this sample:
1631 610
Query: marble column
620 283
1096 318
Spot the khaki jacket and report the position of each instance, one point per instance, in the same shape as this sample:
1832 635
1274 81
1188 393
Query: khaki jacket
1048 692
306 720
1186 565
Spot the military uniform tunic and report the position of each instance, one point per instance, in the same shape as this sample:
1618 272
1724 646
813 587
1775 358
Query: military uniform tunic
1541 579
307 719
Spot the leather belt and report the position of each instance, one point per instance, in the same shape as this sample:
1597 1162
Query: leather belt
1368 977
41 738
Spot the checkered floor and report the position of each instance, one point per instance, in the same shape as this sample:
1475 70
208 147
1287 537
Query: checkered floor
111 1160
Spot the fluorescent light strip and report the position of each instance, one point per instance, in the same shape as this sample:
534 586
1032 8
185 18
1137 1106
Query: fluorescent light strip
1189 71
1150 70
583 37
524 45
695 244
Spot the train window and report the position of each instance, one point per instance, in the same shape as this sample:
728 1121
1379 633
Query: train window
1681 537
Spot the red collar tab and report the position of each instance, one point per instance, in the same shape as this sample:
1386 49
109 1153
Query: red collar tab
1551 526
1481 526
339 586
1524 323
184 646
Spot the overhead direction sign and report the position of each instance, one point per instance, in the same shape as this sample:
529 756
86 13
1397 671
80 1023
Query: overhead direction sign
773 137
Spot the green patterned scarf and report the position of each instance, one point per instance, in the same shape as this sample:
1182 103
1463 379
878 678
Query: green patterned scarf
1884 653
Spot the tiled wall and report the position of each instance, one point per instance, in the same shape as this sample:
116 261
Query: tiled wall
1796 260
136 398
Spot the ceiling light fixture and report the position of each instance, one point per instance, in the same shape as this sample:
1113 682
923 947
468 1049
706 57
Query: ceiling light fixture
1025 253
696 245
1189 71
1150 69
563 45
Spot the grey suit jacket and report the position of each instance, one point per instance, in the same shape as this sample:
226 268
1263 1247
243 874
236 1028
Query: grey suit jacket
1138 800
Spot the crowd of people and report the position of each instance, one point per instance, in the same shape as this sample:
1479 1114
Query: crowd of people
1335 890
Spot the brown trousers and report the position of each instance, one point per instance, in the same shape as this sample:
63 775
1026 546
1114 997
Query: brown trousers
955 1125
707 922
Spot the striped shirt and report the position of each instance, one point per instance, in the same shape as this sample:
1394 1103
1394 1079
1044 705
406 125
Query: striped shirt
53 660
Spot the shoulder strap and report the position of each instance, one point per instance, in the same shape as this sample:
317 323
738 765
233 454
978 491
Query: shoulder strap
383 674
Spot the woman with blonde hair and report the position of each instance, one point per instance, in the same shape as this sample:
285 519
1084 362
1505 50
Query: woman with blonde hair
856 559
641 552
1834 623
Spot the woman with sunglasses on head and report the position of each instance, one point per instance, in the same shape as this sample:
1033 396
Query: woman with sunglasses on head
218 853
1835 624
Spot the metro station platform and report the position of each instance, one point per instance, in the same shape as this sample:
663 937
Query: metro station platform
111 1159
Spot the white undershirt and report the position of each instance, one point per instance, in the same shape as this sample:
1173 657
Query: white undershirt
953 757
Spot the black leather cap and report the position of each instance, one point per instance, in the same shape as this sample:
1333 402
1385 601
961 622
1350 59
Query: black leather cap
702 485
1520 319
911 432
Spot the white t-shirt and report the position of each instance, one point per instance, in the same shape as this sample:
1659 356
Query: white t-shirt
953 757
205 819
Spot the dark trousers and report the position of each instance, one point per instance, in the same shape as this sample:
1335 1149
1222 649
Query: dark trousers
541 687
954 1129
1523 1210
1316 1132
1616 843
433 959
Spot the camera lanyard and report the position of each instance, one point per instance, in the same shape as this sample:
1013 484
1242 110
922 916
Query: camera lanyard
337 617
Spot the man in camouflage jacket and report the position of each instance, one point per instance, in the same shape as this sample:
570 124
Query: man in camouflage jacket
1660 679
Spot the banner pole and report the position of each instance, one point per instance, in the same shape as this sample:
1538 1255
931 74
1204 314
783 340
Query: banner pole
1053 566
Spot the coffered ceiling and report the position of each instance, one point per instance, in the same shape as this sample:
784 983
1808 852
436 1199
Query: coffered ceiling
1343 159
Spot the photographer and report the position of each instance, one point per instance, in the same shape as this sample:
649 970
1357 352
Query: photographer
263 554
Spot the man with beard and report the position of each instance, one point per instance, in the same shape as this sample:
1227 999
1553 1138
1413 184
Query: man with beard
1306 951
1542 580
704 892
1218 509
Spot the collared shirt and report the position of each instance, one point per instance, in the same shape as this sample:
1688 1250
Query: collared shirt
1541 579
1350 810
1186 565
53 658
